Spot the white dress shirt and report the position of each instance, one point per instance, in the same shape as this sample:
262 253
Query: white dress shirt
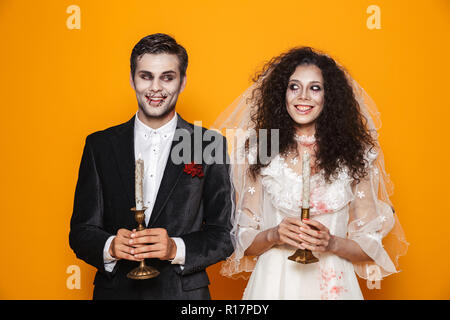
153 146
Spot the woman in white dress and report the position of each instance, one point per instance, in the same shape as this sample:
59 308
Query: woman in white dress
317 108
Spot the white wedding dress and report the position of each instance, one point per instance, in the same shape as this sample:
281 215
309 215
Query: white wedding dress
348 209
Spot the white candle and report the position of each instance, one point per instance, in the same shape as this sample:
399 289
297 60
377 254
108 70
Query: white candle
138 181
306 171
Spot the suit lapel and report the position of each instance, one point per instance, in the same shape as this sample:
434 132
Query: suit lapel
171 175
123 145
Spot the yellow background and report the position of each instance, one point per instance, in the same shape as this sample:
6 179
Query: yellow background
59 85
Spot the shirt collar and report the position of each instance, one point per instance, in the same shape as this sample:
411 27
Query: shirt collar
165 130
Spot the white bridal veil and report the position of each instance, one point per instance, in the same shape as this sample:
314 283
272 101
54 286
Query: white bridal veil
377 231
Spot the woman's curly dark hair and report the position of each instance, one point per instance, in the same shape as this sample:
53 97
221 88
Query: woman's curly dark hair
341 134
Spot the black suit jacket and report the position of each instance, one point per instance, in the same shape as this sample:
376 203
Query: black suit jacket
192 208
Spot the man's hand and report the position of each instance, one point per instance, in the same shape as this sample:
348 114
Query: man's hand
120 247
152 243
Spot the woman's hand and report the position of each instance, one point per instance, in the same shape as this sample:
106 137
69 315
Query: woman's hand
286 233
316 237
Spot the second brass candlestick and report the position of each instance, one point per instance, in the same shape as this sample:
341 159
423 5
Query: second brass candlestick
304 256
143 271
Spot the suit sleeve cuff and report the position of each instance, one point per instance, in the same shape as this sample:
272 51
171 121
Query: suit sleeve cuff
180 256
108 260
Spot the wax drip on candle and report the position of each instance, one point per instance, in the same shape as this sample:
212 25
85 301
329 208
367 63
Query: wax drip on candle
306 172
138 182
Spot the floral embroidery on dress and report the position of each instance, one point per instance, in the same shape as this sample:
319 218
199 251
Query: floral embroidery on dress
251 190
331 283
360 194
284 187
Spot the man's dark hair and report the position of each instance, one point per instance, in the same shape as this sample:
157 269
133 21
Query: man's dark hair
159 43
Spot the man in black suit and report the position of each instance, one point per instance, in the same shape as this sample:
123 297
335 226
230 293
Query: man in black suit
189 206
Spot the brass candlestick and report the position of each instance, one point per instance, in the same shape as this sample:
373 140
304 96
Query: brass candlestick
304 256
143 271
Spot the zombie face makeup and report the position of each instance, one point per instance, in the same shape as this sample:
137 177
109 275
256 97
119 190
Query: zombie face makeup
305 95
157 83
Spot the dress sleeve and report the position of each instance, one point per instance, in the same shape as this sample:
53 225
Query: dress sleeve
370 221
246 220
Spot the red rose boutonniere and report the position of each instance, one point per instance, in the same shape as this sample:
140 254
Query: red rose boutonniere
194 169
